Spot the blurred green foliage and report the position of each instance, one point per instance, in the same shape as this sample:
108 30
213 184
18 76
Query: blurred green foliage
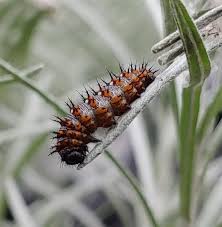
76 41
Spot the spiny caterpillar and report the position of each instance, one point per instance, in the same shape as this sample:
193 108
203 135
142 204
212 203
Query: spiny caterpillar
99 109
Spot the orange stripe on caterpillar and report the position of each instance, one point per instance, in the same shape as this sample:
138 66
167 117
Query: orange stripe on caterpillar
99 109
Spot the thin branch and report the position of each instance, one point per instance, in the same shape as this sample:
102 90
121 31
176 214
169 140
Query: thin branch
20 77
154 89
201 22
174 70
170 55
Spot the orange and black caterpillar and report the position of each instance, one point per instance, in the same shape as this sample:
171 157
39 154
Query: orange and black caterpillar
99 109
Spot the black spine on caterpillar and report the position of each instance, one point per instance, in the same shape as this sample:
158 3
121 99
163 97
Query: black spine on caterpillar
99 109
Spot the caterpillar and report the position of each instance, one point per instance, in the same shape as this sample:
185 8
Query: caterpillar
99 109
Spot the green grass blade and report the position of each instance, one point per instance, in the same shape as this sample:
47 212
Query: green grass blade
169 23
199 68
209 115
169 27
18 53
30 72
174 102
26 82
135 186
188 122
28 154
197 57
20 164
2 205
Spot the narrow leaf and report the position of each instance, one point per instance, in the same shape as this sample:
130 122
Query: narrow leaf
199 68
209 115
135 186
31 150
188 122
197 57
169 23
18 75
169 27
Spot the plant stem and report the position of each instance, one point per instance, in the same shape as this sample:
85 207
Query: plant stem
19 77
134 185
30 72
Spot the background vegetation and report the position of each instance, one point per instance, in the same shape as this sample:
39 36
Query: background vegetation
172 150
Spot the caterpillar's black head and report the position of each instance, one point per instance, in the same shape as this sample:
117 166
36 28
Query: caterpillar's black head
73 155
73 158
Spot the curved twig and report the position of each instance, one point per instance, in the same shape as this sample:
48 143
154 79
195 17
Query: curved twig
174 70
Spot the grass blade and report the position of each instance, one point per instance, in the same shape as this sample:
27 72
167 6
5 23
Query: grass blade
197 57
188 121
28 154
136 188
26 82
209 115
30 72
199 68
169 27
169 23
17 205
